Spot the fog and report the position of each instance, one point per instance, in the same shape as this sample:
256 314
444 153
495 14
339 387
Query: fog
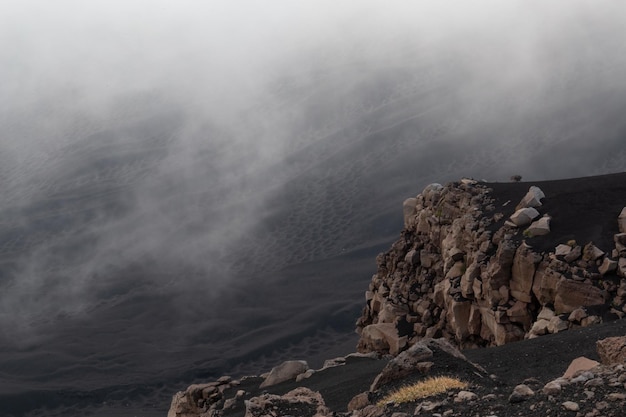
166 154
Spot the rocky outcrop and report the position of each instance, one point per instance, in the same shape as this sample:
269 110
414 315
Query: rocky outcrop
419 359
301 402
200 398
463 270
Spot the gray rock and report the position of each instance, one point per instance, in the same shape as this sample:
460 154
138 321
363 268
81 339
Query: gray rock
570 406
521 393
284 372
532 198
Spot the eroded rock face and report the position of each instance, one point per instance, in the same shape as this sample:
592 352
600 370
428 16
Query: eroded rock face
461 270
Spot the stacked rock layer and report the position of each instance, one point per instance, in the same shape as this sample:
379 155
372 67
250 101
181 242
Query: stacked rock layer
464 271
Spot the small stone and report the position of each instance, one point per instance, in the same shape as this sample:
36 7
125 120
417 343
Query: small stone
463 396
229 403
552 388
595 382
521 393
359 401
589 394
582 377
616 396
602 405
570 406
427 406
224 380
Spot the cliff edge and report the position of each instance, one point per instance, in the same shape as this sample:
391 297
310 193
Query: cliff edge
485 264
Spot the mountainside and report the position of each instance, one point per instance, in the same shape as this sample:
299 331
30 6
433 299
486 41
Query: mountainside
478 265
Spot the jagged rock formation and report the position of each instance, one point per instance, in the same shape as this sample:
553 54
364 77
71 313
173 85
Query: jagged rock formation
463 270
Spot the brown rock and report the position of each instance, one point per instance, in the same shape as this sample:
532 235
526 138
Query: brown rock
475 321
359 401
460 318
577 315
381 338
620 244
573 254
545 283
591 252
370 411
571 294
562 250
467 280
540 227
612 350
621 267
579 364
518 313
608 265
556 325
522 273
621 221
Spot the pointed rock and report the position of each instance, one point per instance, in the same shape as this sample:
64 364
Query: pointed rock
540 227
532 198
579 364
621 221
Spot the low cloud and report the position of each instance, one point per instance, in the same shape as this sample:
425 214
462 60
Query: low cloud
182 148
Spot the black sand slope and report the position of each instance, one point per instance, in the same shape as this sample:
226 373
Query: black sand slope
584 209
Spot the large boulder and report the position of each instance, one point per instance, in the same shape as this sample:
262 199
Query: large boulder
523 272
571 294
284 372
382 338
418 358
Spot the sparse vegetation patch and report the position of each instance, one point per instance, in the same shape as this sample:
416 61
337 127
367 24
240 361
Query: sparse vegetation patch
426 388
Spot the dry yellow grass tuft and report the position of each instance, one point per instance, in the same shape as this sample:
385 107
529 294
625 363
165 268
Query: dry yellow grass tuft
423 389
